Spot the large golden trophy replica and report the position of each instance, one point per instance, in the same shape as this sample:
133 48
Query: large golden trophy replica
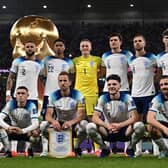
34 28
38 29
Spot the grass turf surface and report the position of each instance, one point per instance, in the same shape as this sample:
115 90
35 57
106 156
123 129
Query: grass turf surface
87 161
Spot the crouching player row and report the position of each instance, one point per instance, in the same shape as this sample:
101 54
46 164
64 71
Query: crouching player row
120 123
23 125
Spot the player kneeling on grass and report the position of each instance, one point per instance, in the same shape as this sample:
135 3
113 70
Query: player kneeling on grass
24 121
120 115
157 118
65 110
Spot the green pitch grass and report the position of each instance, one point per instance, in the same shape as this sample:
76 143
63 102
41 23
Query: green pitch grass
86 161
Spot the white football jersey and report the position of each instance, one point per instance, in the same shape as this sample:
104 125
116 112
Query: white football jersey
143 75
66 107
27 72
160 106
116 63
162 62
115 110
53 67
20 117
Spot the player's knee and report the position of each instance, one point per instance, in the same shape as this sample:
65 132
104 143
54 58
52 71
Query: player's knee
91 129
3 133
139 128
83 124
81 127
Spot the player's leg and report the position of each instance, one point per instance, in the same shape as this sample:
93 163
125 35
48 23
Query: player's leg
91 102
44 139
80 130
94 134
5 141
137 135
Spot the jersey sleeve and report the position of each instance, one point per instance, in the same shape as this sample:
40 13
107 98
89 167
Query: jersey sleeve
6 109
14 67
80 101
100 104
154 106
33 111
131 103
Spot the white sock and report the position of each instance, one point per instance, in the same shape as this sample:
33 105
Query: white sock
126 144
155 149
44 144
139 147
14 144
27 146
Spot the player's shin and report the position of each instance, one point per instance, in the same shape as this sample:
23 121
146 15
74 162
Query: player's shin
4 139
138 134
94 135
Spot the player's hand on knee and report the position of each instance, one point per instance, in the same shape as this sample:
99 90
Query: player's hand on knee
56 125
66 125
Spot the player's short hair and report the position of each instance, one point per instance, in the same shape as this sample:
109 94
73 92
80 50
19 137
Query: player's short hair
65 73
85 39
163 77
29 41
59 40
165 33
115 34
113 77
22 87
140 35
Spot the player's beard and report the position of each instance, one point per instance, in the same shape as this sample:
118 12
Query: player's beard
29 54
165 92
138 48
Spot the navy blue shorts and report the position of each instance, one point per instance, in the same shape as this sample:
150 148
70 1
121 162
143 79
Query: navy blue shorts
18 137
44 107
142 104
119 136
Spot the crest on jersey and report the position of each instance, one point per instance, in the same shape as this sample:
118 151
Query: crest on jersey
72 105
122 60
63 67
91 63
146 64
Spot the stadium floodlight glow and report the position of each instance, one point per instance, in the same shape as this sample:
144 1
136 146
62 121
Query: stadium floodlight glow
131 5
89 5
44 6
4 7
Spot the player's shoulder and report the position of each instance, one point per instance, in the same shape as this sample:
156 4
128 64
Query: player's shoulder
161 54
12 104
76 93
48 57
150 55
125 95
95 58
127 53
158 98
106 54
19 59
76 59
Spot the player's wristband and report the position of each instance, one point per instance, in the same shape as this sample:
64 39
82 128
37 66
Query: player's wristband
8 93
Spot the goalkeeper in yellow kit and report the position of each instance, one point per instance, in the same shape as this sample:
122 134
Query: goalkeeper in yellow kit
87 68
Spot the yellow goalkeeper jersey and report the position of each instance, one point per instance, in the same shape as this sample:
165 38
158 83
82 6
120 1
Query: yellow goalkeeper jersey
86 79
